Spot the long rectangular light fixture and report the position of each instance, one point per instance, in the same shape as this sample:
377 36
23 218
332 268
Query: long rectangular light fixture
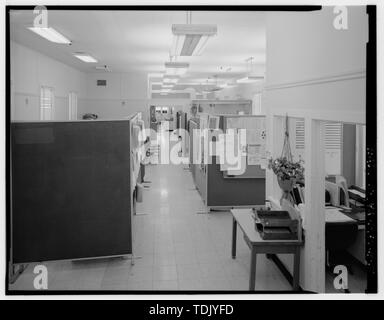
50 34
176 68
170 79
165 85
250 79
228 85
85 57
191 39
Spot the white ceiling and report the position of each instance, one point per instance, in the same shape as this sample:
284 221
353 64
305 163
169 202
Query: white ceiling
139 41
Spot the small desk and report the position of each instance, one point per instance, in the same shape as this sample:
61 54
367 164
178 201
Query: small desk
243 218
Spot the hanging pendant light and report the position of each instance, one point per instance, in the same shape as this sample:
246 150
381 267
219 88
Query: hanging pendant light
191 39
251 76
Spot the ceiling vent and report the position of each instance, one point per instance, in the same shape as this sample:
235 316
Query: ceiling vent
101 83
103 68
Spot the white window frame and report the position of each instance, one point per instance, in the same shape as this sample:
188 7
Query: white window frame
333 140
72 105
51 106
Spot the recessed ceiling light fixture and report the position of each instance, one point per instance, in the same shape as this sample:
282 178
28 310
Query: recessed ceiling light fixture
191 39
50 34
176 68
85 57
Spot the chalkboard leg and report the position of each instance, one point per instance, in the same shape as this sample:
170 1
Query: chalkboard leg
132 260
252 276
296 269
234 238
133 257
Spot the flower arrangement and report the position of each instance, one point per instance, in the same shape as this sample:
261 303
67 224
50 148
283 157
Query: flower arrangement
286 169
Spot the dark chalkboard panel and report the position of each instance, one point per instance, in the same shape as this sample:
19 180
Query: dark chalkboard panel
70 190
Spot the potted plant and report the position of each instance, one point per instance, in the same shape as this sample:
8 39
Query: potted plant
288 172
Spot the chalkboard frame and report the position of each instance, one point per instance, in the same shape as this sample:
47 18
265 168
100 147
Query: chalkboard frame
115 230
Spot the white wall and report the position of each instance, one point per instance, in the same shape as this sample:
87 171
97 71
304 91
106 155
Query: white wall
247 91
124 94
316 72
29 71
305 47
314 69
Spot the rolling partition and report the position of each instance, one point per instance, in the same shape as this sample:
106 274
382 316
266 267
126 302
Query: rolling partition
222 185
138 147
197 167
71 196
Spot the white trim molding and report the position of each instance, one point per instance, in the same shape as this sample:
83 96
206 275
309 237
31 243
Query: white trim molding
329 114
350 75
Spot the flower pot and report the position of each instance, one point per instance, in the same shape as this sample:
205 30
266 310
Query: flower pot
286 185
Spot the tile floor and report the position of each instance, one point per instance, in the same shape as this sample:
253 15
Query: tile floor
179 249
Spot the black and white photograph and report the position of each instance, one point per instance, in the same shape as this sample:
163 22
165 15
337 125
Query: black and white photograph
190 149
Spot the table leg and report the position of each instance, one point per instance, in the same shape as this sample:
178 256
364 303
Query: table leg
296 270
234 238
252 275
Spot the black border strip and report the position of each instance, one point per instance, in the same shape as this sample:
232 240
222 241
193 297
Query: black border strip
175 7
371 156
371 173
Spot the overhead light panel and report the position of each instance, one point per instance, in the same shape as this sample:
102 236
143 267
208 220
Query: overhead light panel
191 39
170 79
165 91
165 85
250 79
228 85
214 86
50 34
176 68
85 57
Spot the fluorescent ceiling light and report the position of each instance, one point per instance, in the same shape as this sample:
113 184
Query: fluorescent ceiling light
191 39
50 34
250 79
176 68
167 85
213 89
170 79
228 85
85 57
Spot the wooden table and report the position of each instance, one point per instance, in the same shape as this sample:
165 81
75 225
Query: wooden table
243 218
